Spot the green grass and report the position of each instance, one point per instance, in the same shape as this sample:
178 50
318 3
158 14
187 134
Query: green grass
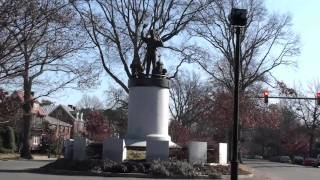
7 156
136 155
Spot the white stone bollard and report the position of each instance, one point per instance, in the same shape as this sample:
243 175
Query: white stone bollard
114 149
68 149
197 152
157 150
79 149
223 153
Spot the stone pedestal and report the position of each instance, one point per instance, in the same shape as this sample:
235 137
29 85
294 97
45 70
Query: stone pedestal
79 149
223 153
197 152
68 149
157 150
148 111
114 149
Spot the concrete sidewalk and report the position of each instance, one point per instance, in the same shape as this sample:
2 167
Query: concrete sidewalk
36 157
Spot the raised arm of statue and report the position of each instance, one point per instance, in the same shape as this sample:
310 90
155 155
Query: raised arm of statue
144 39
159 42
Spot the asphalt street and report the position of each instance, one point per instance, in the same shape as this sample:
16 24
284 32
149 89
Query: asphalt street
266 170
263 170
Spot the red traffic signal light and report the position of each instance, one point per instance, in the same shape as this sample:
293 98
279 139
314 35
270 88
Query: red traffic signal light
266 96
318 98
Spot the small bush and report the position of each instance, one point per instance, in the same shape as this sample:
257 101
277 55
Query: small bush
135 167
158 169
175 168
181 168
111 166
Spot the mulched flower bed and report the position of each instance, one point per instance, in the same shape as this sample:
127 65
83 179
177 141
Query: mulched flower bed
154 169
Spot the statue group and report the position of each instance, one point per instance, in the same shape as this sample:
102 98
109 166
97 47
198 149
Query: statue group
152 42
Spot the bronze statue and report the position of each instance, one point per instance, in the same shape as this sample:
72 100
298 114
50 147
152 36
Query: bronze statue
159 71
153 42
136 67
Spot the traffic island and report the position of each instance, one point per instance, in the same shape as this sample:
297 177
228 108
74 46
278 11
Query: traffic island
138 169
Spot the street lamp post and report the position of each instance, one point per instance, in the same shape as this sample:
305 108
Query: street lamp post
238 19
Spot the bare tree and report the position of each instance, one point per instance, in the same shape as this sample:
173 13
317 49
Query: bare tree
117 98
114 27
267 42
90 102
309 113
47 41
187 93
8 48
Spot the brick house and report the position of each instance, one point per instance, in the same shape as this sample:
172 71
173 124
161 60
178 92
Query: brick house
40 116
69 114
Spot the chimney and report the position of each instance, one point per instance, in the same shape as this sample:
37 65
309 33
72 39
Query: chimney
70 106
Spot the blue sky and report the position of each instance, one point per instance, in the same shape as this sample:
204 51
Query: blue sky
305 19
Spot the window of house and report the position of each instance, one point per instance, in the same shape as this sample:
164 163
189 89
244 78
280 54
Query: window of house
36 140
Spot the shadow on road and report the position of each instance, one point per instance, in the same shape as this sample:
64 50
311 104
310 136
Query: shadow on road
15 170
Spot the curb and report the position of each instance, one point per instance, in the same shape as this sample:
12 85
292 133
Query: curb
110 174
247 176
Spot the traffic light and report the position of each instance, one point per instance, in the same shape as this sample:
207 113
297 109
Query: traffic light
318 98
266 96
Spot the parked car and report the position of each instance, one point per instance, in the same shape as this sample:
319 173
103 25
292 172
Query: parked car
298 160
275 159
252 156
285 159
310 162
258 157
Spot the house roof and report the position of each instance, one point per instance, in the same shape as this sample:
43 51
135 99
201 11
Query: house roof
47 109
68 110
54 121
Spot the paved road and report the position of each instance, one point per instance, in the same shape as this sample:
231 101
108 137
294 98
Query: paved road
266 170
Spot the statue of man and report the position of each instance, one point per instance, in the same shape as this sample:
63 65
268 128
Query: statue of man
153 42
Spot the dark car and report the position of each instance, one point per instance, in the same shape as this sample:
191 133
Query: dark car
275 159
297 160
285 159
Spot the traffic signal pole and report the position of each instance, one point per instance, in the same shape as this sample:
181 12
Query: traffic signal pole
266 97
284 97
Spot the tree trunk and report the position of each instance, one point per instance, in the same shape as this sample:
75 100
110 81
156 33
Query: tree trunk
311 144
27 117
